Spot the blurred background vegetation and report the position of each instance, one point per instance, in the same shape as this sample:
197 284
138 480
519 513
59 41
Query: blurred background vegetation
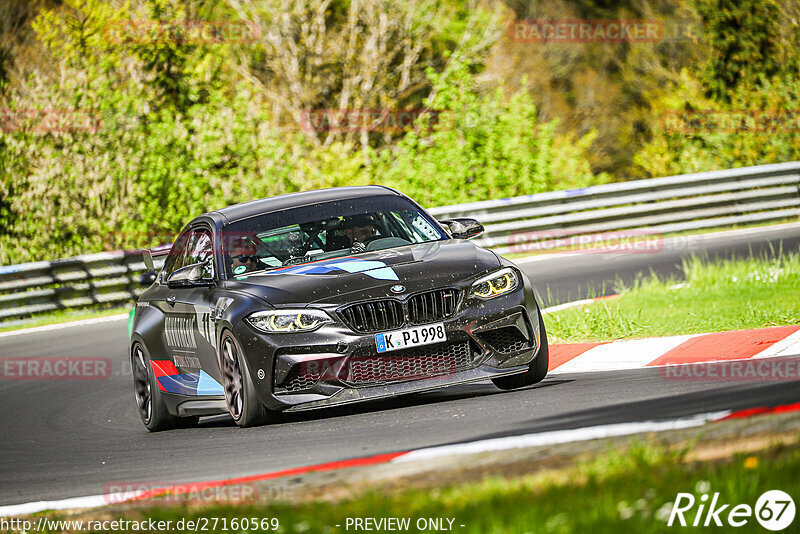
178 128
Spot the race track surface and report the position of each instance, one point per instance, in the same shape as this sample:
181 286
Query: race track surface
73 438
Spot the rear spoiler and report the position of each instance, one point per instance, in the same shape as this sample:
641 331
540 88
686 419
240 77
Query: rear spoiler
148 255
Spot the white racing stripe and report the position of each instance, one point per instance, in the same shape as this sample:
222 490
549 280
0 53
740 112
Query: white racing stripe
59 326
558 437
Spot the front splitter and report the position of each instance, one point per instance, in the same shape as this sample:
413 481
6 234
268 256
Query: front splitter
353 395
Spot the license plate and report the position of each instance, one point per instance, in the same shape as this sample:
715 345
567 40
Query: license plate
410 337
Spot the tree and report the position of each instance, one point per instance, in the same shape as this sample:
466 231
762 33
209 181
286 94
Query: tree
356 54
743 38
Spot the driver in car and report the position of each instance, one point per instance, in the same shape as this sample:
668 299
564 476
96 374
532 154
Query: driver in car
244 257
360 230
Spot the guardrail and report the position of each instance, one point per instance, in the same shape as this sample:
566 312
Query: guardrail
106 278
661 205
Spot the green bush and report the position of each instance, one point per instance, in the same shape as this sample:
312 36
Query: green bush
676 152
180 130
751 70
482 147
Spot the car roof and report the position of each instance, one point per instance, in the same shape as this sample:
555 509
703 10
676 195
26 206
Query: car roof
292 200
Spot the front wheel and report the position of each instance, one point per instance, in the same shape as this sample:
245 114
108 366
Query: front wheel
537 369
149 400
240 394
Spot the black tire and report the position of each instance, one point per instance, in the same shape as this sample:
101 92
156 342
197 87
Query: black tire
240 392
149 401
537 369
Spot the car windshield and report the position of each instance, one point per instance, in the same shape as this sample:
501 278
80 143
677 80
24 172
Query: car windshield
321 231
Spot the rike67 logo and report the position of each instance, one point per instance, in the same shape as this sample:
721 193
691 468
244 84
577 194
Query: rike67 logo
774 510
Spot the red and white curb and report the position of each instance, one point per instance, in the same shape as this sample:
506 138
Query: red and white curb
577 357
737 345
96 501
557 437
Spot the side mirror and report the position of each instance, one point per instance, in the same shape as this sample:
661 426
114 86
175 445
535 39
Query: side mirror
147 279
190 275
463 228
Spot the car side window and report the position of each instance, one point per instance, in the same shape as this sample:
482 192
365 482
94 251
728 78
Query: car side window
176 255
201 250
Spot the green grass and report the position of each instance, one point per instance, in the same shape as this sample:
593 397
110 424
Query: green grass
715 296
626 490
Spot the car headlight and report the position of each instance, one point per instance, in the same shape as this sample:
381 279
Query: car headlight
278 321
495 284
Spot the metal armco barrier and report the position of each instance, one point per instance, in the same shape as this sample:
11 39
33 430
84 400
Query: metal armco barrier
660 205
92 280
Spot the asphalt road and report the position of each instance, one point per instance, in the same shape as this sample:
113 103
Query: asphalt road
72 438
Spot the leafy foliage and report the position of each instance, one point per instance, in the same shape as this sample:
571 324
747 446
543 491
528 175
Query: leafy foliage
750 74
178 130
174 127
482 147
743 44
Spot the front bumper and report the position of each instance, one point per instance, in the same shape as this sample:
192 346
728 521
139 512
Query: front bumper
334 365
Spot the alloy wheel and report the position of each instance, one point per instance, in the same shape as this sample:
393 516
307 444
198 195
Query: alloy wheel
232 377
141 384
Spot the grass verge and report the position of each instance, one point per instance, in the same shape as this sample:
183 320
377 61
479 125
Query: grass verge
630 490
715 296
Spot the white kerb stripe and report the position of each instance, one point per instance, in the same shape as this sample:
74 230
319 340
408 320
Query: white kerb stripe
557 437
620 355
59 326
74 503
496 444
788 346
567 305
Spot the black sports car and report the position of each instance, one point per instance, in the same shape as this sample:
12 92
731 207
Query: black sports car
323 298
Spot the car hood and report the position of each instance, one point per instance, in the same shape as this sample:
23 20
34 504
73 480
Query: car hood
370 275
